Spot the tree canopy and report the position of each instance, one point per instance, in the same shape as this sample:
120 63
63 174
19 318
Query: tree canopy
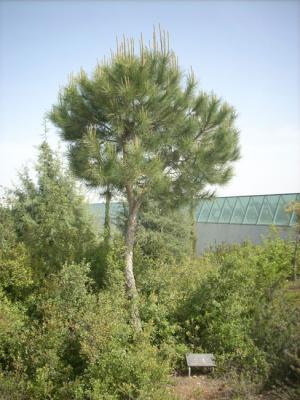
139 125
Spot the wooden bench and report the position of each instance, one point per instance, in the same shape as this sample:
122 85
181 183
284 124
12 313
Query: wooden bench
200 360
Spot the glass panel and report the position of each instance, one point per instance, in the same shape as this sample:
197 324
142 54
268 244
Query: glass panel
239 210
227 210
216 210
288 198
282 216
204 212
253 210
293 219
198 210
258 202
267 212
263 210
244 201
273 201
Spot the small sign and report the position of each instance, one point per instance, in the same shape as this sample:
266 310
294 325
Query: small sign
200 360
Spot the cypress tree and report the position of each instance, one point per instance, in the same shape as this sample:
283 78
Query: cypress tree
50 216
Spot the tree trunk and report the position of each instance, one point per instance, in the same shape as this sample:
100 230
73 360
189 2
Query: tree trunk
193 236
129 274
107 234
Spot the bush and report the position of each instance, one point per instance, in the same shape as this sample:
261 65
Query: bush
69 336
78 344
242 311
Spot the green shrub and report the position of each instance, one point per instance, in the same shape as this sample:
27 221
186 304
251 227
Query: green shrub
13 387
130 371
12 325
79 345
242 311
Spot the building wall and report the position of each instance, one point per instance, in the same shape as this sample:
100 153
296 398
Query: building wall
209 234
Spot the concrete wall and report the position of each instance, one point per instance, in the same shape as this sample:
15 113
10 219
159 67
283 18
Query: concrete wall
209 234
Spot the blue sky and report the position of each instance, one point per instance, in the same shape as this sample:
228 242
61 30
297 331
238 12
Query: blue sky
246 52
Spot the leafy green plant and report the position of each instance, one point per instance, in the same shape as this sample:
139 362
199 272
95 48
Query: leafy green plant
50 216
242 310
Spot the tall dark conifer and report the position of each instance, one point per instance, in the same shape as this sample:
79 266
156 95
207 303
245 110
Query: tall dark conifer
51 217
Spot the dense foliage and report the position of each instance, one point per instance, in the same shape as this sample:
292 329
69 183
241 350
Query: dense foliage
63 336
243 311
50 216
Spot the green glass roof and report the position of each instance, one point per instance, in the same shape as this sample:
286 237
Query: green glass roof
254 210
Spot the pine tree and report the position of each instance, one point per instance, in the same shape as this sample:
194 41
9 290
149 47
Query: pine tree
160 138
